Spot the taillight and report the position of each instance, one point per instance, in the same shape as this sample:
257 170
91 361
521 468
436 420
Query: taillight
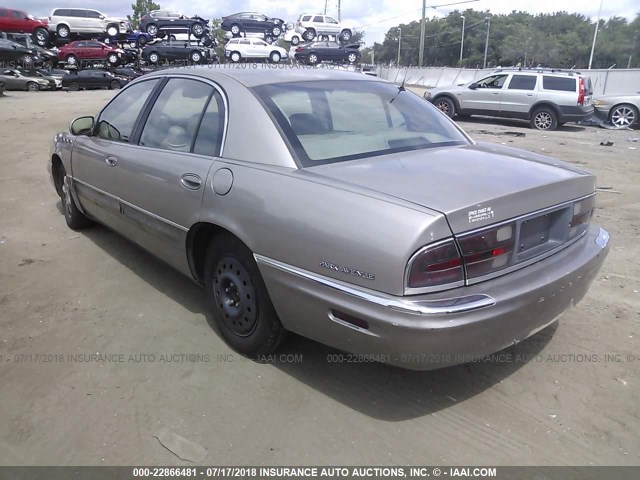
435 265
299 49
489 250
580 91
582 212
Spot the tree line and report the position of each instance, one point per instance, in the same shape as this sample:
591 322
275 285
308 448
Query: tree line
561 40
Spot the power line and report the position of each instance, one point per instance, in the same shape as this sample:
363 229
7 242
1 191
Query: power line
417 10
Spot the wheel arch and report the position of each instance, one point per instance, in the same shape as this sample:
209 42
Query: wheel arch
56 165
450 97
545 104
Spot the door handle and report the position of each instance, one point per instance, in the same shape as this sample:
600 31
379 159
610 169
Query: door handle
190 181
111 161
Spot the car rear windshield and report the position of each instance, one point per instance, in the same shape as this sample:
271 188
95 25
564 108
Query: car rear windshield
559 83
338 120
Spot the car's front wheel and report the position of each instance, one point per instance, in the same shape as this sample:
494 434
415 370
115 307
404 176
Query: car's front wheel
42 36
112 31
76 220
346 35
275 57
197 29
154 57
235 57
313 59
141 41
352 57
72 60
295 40
63 31
544 119
195 56
33 87
235 29
623 115
240 306
74 86
112 58
152 29
309 34
114 85
276 31
446 105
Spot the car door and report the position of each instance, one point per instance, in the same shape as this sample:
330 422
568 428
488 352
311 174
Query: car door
17 21
162 179
519 94
318 24
94 157
486 96
260 48
94 21
331 26
12 80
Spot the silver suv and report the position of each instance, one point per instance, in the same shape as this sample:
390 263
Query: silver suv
547 98
310 26
65 21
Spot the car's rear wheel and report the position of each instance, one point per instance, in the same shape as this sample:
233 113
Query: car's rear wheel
235 29
624 115
112 31
74 86
141 41
154 57
197 29
195 56
313 59
42 36
346 35
276 31
72 60
63 31
275 57
152 29
544 119
76 220
238 299
206 40
112 58
33 87
235 57
114 85
309 34
352 57
295 40
446 105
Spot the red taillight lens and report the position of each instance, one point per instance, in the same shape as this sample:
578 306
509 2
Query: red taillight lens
299 49
489 250
582 212
436 265
580 91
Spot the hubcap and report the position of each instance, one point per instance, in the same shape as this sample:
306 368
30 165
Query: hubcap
275 58
152 30
153 58
352 58
313 59
235 30
276 31
235 57
195 57
71 60
66 197
63 32
113 31
197 29
235 296
444 106
40 35
543 120
623 117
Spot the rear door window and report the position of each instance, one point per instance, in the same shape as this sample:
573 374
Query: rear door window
522 82
559 83
318 20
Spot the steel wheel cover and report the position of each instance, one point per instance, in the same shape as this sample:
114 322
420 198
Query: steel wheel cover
235 296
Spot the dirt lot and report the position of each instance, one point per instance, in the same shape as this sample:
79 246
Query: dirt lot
65 296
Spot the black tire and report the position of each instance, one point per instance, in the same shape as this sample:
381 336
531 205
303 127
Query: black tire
240 307
198 30
446 105
72 60
32 87
346 35
235 30
141 41
276 31
41 35
74 87
113 30
63 31
544 118
76 220
623 115
114 85
352 58
235 57
313 59
195 56
295 40
112 58
309 34
152 29
153 57
275 57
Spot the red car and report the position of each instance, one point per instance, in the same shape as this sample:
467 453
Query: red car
18 21
84 50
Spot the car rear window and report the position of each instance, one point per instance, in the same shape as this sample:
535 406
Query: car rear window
337 120
559 83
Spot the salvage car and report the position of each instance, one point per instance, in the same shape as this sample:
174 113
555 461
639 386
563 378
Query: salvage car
311 26
92 80
159 23
620 110
40 54
15 54
316 52
18 21
65 22
238 49
82 51
160 51
395 237
245 22
16 80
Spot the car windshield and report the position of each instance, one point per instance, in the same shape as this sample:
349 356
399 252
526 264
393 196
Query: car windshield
334 121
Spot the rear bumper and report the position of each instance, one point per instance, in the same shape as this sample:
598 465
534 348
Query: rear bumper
436 330
575 114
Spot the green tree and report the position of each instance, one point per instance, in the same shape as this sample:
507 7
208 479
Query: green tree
140 9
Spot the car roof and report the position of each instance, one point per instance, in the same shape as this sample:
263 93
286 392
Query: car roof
267 74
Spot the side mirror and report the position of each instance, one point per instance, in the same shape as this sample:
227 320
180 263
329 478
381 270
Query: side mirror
473 86
82 126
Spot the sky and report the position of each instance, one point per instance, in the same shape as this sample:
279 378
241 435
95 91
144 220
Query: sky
374 17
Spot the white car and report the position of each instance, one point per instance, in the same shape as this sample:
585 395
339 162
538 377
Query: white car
65 21
292 36
238 49
311 25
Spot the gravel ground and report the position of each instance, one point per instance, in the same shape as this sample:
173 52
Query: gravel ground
567 396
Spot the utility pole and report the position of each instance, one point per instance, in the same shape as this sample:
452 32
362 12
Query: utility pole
633 48
486 42
400 42
422 28
325 6
339 13
462 40
595 35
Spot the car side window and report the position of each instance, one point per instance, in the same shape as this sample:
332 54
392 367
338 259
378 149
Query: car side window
17 14
494 81
306 18
209 137
318 20
174 119
117 120
330 20
559 83
245 42
93 14
522 82
3 13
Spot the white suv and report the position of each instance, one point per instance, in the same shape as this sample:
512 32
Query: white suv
310 26
237 49
65 21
